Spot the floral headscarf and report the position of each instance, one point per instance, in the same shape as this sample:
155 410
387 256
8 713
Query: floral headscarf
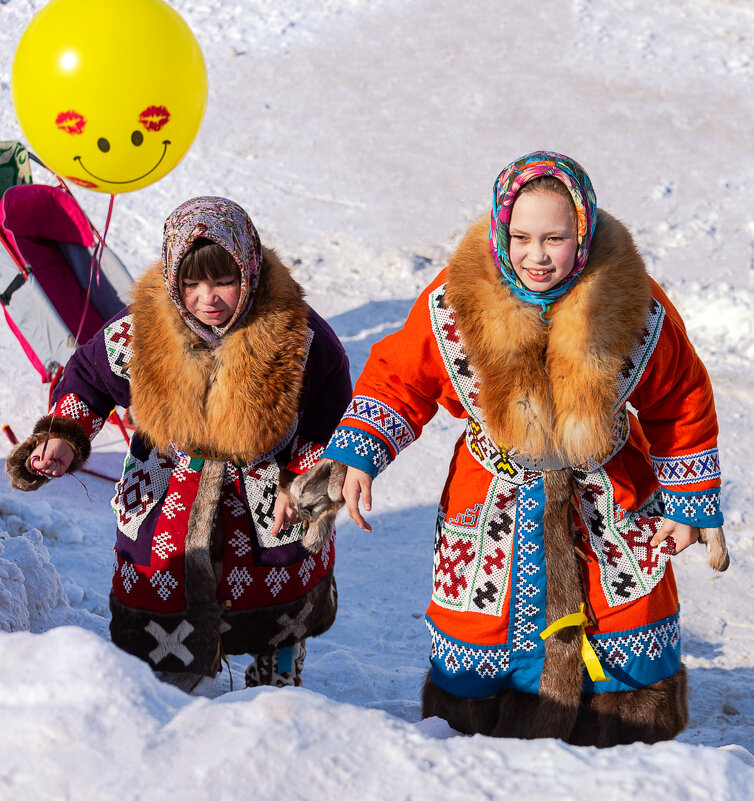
508 185
227 224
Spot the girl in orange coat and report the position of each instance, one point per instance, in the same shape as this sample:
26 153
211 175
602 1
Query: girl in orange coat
554 611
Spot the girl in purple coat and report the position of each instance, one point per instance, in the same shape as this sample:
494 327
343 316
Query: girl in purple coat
235 385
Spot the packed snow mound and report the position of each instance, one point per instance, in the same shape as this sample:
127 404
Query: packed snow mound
122 729
32 597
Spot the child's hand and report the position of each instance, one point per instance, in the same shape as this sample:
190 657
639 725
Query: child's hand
283 514
58 455
358 484
683 535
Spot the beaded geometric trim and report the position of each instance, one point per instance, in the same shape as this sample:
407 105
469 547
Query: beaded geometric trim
694 508
366 452
473 552
118 345
381 417
261 485
629 567
636 362
487 661
141 487
673 471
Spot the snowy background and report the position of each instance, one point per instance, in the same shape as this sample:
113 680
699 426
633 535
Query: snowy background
363 136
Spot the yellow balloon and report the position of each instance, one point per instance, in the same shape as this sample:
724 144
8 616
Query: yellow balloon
109 93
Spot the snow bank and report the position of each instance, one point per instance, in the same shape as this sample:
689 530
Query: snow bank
101 727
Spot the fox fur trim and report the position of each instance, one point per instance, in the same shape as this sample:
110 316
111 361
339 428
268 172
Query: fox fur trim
549 389
239 398
18 467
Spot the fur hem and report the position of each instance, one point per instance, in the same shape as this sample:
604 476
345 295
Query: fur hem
562 401
266 628
650 714
239 398
179 642
17 465
192 641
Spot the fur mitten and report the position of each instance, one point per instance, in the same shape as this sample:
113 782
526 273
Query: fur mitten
317 495
717 549
18 467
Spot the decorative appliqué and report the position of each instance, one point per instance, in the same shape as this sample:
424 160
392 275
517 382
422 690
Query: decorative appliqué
164 582
636 361
673 471
128 576
695 508
306 569
487 662
471 566
304 454
629 567
529 590
368 448
382 418
73 408
238 579
142 486
275 579
162 545
260 484
118 344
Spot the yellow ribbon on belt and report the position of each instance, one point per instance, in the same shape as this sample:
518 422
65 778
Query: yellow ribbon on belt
580 618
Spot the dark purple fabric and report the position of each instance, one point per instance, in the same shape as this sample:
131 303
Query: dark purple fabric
327 383
89 376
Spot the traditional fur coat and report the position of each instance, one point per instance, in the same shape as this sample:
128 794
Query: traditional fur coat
196 570
554 491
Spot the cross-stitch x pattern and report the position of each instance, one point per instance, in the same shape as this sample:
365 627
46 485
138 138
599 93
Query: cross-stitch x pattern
674 471
383 419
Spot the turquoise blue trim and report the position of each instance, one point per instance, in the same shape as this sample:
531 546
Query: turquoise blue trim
700 509
528 587
632 659
637 657
285 660
356 448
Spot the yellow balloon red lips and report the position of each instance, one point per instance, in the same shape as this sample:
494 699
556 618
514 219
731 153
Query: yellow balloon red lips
109 93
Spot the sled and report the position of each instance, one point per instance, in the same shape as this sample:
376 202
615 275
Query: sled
47 244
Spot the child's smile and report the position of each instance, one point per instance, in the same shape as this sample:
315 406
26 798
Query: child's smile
543 242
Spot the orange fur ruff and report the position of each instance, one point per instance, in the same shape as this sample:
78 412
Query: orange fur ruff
239 399
549 389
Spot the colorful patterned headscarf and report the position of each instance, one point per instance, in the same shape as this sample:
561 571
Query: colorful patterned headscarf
227 224
507 186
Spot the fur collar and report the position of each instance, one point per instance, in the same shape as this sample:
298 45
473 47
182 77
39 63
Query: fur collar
239 399
549 389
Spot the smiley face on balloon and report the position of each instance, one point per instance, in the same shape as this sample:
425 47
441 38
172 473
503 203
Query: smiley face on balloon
109 93
120 159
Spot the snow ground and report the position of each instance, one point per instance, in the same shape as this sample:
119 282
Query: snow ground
363 137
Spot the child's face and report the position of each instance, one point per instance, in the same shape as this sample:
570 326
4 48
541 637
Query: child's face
543 241
211 300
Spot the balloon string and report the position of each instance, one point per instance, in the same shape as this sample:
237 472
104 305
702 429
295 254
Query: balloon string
96 261
35 459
